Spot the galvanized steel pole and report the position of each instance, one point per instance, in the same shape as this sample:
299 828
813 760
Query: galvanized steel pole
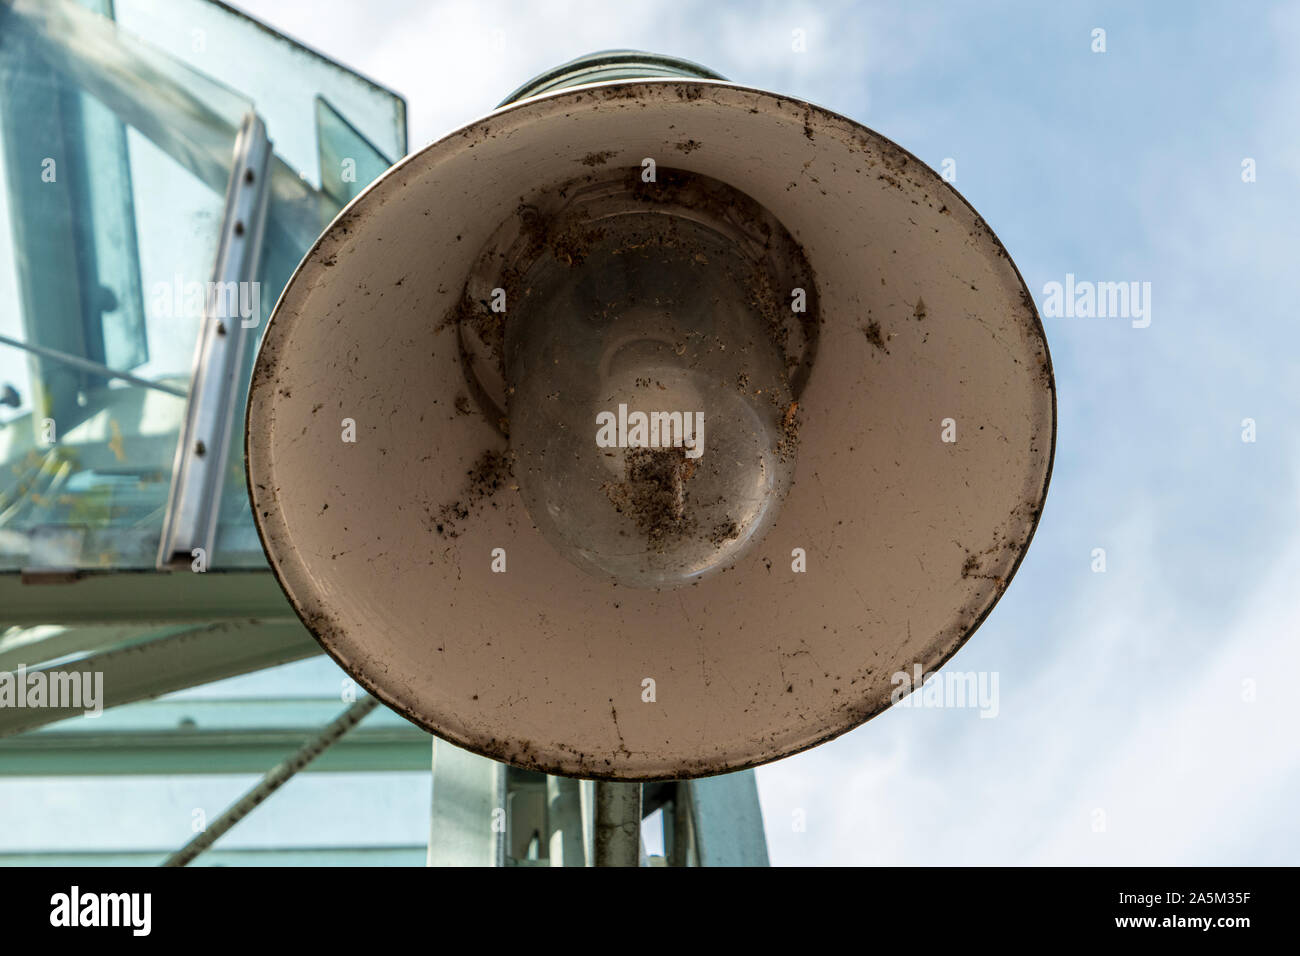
564 822
617 824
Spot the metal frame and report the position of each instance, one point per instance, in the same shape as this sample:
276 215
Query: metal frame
211 736
143 669
727 820
467 825
142 597
485 813
198 474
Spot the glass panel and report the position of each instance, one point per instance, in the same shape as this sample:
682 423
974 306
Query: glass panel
291 86
333 133
348 161
103 269
282 77
90 267
109 222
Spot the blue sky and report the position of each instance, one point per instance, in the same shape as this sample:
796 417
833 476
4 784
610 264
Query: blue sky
1152 699
1145 714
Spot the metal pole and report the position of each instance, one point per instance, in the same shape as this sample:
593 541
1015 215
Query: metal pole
564 821
679 854
618 824
273 781
468 823
86 365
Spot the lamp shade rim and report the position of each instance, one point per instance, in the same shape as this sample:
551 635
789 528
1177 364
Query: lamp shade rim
908 539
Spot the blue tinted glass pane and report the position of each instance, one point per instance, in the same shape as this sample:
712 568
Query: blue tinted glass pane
113 161
348 161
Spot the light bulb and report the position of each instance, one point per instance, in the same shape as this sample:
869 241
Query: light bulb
652 345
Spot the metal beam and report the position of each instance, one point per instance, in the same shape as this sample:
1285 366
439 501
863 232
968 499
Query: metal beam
564 822
32 647
468 817
206 736
142 597
140 671
678 838
727 820
171 754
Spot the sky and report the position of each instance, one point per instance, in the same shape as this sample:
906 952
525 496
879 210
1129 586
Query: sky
1145 713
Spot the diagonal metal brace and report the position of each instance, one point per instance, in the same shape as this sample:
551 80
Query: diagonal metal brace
273 781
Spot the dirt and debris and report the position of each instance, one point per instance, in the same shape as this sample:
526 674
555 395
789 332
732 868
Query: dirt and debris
564 224
789 441
489 474
477 317
598 159
872 331
654 494
723 532
552 224
919 313
571 246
